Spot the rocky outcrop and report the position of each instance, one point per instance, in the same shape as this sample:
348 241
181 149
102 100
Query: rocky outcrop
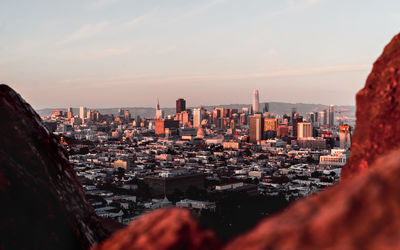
363 213
42 203
162 229
378 113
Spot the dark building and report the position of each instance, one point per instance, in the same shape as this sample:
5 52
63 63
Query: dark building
256 128
331 118
160 186
296 120
266 108
180 105
166 125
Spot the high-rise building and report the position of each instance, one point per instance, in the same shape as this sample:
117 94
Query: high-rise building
269 128
120 112
304 130
159 112
296 121
256 102
180 105
256 128
127 116
294 113
266 108
197 118
322 117
331 115
345 136
70 114
166 126
82 112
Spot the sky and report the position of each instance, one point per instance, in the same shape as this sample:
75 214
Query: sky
126 53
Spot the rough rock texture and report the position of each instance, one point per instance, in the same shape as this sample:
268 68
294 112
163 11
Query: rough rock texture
162 229
378 113
42 203
363 213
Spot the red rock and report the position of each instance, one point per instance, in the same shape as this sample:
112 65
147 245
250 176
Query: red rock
43 205
162 229
363 213
377 129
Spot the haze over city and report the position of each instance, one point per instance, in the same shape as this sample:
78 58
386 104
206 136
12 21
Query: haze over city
119 53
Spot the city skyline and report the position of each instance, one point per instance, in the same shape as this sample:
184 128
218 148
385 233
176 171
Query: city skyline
118 53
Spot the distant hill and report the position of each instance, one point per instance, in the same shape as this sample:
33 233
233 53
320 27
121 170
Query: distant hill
274 107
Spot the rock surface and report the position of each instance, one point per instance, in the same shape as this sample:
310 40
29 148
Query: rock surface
162 229
363 213
42 203
378 113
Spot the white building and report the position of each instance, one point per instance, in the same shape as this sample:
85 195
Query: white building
82 113
304 130
197 117
256 102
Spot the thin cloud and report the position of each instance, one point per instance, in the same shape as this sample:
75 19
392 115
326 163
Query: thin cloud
112 52
294 5
140 19
86 31
152 79
198 9
272 74
100 4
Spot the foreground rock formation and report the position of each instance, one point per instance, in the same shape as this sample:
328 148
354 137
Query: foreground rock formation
378 113
363 213
163 229
42 203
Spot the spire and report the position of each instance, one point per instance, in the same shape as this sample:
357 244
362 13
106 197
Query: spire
158 105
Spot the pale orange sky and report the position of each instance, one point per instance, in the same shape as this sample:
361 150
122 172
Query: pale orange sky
120 53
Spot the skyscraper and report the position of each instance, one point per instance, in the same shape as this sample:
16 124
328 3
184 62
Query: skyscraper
296 121
256 128
70 114
304 130
266 108
345 136
256 102
197 118
82 112
159 112
180 105
322 117
331 115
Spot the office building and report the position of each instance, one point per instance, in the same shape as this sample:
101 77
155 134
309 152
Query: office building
304 130
256 102
256 128
180 105
197 117
82 113
322 117
345 136
297 119
331 116
269 128
166 126
159 112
